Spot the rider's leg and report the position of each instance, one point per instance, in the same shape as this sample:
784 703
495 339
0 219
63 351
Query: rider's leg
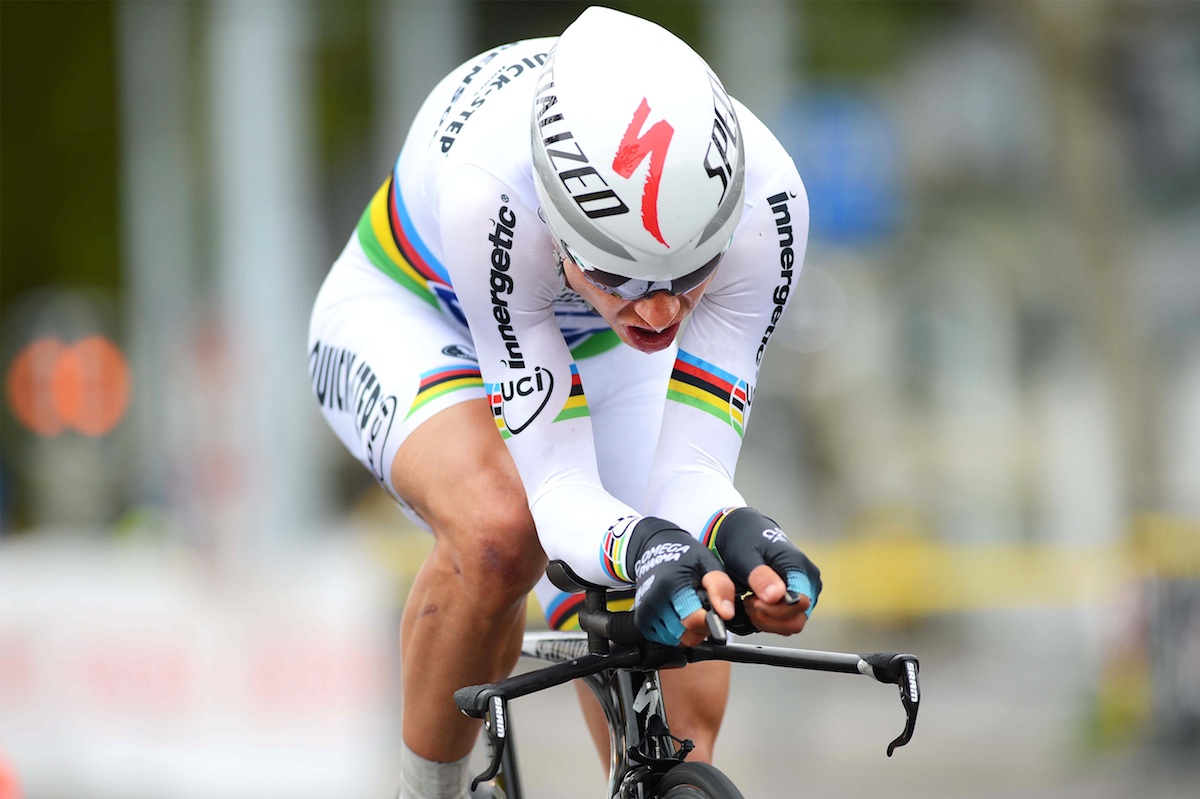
396 381
695 699
465 613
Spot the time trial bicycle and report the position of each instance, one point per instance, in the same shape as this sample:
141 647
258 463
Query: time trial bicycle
622 669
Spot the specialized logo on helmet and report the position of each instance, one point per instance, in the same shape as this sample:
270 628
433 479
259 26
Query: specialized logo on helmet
724 137
655 130
566 157
634 149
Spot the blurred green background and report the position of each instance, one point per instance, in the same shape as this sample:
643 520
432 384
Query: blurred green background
982 415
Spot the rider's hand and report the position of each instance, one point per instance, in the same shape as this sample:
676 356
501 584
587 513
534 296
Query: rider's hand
784 583
669 566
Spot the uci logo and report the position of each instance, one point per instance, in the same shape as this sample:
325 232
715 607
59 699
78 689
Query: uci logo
524 398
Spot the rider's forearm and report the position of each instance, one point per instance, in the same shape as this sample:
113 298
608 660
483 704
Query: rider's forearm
692 476
585 526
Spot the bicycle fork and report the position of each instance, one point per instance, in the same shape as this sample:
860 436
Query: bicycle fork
641 746
640 742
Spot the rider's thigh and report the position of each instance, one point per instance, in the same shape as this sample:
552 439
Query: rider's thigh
397 381
383 360
456 473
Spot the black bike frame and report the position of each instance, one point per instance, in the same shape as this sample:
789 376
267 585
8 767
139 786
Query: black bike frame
625 680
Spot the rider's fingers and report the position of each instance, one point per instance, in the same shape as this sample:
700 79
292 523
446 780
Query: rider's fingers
721 593
782 610
779 617
766 584
695 626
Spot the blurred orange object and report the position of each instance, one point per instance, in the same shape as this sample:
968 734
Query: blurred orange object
84 386
9 789
29 386
90 385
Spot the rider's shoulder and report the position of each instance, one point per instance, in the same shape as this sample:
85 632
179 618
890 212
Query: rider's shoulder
764 152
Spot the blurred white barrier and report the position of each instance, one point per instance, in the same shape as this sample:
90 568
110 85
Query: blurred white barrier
135 672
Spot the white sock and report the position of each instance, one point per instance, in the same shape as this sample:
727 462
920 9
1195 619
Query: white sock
428 779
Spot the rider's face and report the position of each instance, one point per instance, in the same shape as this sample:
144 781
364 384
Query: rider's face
648 324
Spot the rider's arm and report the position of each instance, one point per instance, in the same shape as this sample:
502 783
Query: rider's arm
711 395
501 262
711 392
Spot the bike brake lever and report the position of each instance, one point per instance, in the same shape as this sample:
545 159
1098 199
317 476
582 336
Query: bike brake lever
496 723
910 696
716 625
716 628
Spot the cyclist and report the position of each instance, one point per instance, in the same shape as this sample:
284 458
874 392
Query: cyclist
500 344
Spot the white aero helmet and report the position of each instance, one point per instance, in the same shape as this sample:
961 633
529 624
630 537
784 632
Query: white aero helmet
637 155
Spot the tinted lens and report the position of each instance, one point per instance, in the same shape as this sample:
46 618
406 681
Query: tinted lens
683 285
632 288
605 279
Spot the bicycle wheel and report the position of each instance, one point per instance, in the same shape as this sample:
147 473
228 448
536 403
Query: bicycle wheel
696 781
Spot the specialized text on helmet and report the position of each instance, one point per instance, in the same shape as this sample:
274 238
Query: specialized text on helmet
582 182
724 137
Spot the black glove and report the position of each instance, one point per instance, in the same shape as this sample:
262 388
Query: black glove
668 566
745 539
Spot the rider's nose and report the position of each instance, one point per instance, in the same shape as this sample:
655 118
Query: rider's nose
658 310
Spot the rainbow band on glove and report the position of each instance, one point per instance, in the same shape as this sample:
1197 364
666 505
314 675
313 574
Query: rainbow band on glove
712 527
751 539
669 565
615 549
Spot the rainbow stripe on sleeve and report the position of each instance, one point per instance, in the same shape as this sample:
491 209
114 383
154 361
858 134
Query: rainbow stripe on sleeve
443 380
496 401
613 552
399 255
709 538
708 388
576 404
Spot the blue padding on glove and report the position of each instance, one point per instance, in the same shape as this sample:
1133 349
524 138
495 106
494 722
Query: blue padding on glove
798 583
669 566
686 602
665 628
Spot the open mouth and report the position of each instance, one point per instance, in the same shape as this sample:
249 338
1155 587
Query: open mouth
650 341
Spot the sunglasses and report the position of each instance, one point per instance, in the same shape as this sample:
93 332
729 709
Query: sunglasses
631 288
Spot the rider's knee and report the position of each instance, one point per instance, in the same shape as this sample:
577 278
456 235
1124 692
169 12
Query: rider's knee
502 569
496 548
